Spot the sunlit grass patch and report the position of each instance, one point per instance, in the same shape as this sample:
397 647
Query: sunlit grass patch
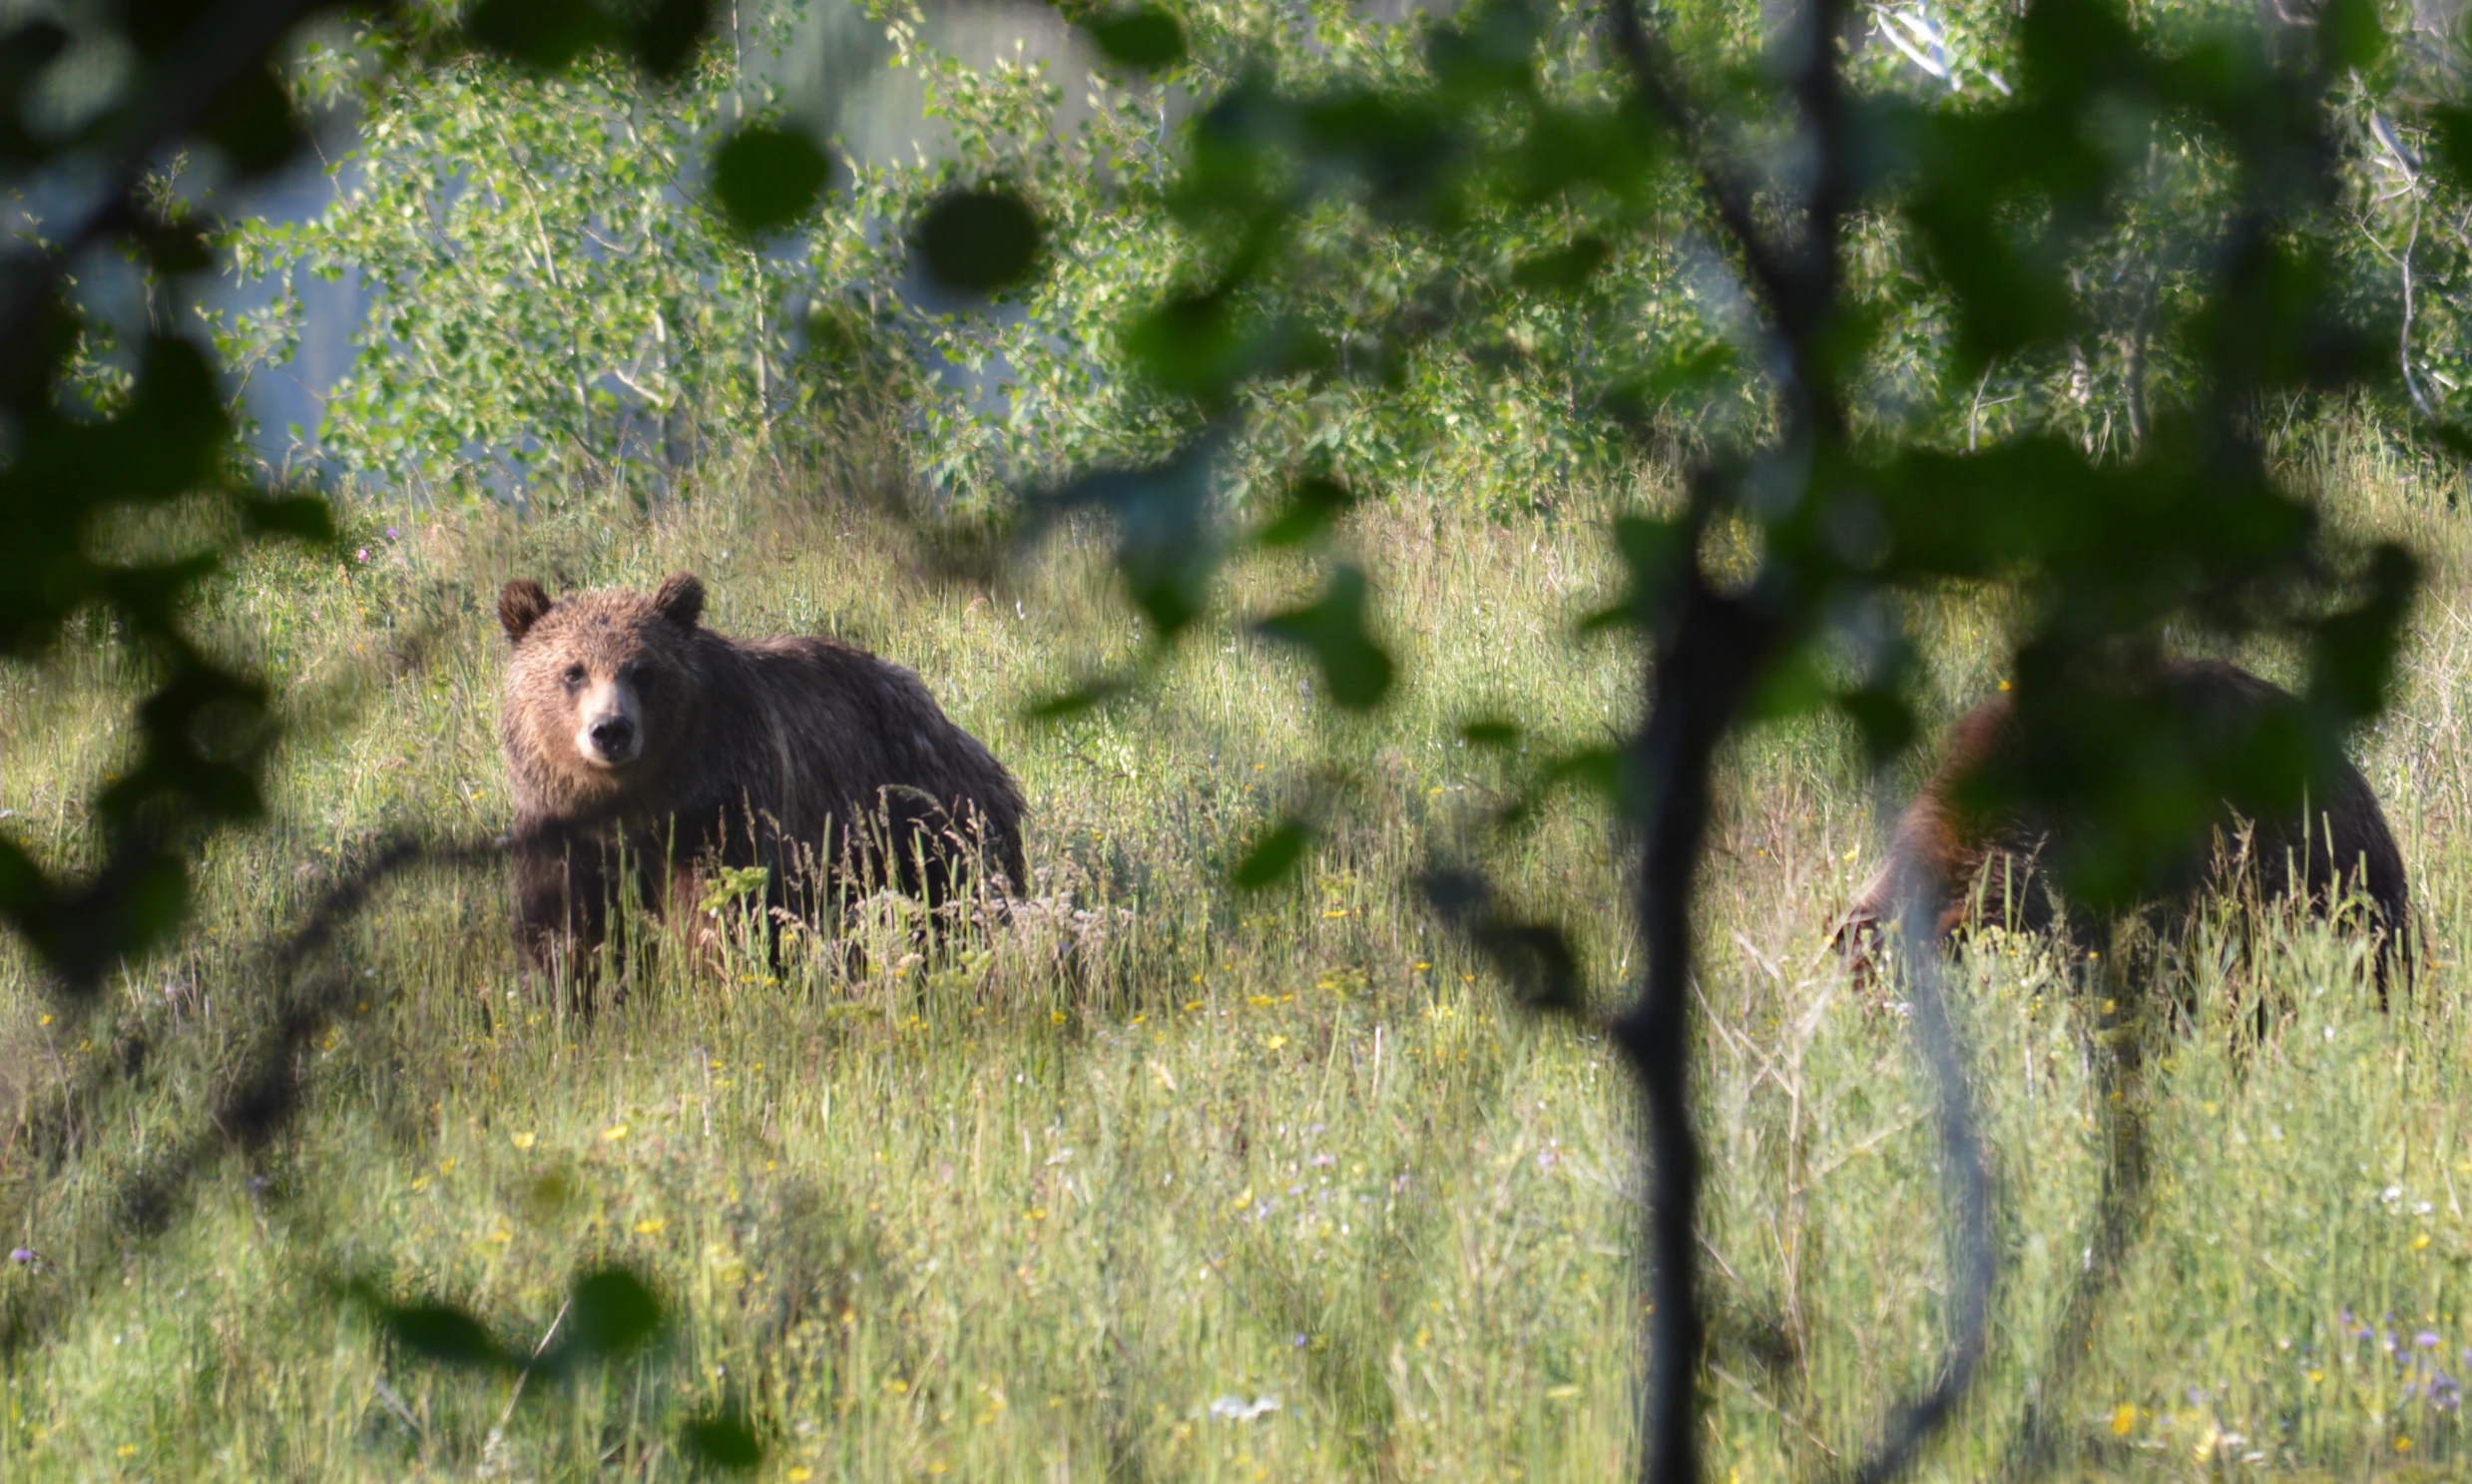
1150 1178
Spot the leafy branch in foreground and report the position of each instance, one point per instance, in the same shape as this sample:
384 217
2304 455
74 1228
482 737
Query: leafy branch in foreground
1784 171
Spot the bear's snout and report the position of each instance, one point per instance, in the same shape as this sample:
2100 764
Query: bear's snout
610 735
614 737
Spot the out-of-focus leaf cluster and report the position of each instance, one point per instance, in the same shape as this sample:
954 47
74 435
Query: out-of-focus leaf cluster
1994 210
609 1315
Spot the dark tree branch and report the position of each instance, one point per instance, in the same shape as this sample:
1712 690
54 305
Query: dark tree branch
1700 680
1970 1255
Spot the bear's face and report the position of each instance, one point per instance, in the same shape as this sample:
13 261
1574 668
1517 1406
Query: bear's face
600 684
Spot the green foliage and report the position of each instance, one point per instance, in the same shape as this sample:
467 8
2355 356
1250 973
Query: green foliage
2025 327
555 296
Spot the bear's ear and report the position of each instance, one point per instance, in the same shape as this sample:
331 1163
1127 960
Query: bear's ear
680 598
520 606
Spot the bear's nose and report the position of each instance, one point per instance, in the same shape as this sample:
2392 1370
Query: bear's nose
612 735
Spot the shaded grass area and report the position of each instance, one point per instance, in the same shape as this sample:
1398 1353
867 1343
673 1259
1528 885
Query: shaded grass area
1084 1196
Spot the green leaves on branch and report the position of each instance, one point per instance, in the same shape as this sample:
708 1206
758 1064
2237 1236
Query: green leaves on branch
607 314
203 730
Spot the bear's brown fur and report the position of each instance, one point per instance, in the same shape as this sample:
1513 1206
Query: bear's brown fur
633 734
1945 849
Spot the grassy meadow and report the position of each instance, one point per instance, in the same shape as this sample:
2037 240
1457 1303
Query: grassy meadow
1159 1182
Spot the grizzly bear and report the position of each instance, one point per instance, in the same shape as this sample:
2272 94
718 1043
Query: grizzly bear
641 745
1967 858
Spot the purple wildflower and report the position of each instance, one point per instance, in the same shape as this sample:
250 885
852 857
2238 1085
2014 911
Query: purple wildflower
392 533
361 555
21 1256
2427 1339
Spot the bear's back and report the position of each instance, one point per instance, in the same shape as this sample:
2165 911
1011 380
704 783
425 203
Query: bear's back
815 732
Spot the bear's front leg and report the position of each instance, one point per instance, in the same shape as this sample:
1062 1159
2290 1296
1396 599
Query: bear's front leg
562 893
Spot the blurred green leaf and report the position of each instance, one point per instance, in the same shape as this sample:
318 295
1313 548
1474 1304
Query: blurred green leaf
543 33
767 176
1883 719
1275 857
2350 35
438 1332
1333 630
662 36
1167 550
978 241
1144 37
724 1440
2450 130
305 517
1534 957
445 1334
1314 505
1564 269
1087 695
1655 555
253 124
610 1311
2352 652
1487 49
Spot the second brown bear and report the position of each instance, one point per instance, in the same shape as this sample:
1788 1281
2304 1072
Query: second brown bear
640 743
1964 863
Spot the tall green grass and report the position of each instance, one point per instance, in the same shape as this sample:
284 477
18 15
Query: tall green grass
1075 1199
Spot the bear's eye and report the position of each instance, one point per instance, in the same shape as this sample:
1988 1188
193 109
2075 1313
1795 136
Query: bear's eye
574 675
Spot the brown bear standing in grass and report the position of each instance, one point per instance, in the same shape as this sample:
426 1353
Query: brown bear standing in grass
635 734
1950 851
